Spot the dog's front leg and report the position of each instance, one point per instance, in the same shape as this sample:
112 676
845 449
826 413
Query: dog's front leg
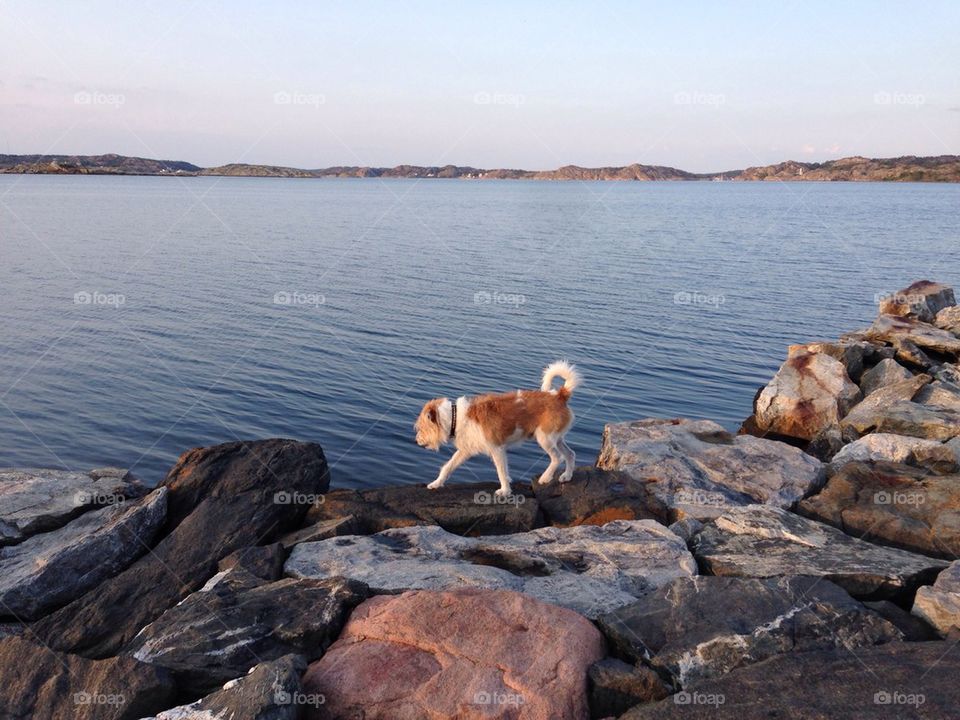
455 461
499 457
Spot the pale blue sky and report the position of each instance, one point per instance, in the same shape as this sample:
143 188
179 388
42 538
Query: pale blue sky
701 86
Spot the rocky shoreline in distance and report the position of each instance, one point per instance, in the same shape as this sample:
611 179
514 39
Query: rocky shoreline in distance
805 567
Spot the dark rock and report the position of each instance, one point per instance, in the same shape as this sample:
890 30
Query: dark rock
913 628
263 561
595 497
702 627
939 604
37 683
884 373
322 530
615 687
922 300
826 444
220 499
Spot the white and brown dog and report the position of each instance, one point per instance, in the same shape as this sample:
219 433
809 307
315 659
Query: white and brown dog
488 424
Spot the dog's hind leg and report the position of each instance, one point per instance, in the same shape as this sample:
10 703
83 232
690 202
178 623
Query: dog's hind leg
549 444
455 461
499 457
569 460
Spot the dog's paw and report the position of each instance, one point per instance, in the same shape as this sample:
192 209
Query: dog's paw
545 479
435 485
566 477
503 493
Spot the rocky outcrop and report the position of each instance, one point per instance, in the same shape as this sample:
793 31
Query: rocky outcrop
586 568
615 687
887 447
49 569
949 319
695 468
703 627
925 336
939 604
595 497
763 541
465 654
921 300
886 372
897 409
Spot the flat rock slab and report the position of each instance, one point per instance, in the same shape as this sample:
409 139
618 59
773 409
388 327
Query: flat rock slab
763 541
939 604
887 328
896 681
695 468
905 449
50 569
466 654
703 627
39 500
590 569
464 509
595 497
892 504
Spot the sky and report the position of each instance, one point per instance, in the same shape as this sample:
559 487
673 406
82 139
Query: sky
703 86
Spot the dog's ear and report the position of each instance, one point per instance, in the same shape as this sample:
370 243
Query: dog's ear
433 415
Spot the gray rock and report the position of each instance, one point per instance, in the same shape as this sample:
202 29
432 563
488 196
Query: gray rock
591 569
698 469
940 395
764 541
939 604
321 530
913 628
889 447
52 568
595 497
949 319
703 627
886 372
616 687
923 300
925 336
895 409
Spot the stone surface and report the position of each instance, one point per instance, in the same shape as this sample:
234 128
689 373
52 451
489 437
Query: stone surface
615 687
465 654
703 627
590 569
939 604
36 683
940 394
464 509
905 449
913 628
852 353
218 634
894 409
925 336
949 319
763 541
321 530
886 372
219 500
809 393
263 561
696 468
50 569
272 691
40 500
885 682
594 497
922 300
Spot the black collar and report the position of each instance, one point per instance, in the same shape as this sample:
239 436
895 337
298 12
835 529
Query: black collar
453 418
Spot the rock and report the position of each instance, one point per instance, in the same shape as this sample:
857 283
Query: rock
696 468
922 300
884 373
702 627
949 319
40 683
940 395
852 353
49 569
909 354
913 628
321 530
464 509
262 561
588 568
595 497
686 528
925 336
33 501
904 449
615 687
271 691
893 409
219 634
763 541
939 605
219 500
809 394
892 681
465 654
826 444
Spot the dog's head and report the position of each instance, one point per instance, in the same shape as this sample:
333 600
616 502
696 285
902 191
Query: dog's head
429 431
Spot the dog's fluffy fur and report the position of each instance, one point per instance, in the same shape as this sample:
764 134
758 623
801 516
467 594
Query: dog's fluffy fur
488 424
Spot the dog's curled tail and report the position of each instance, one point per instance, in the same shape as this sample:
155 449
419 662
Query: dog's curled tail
563 369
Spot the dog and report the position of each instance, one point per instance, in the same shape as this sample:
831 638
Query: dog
488 424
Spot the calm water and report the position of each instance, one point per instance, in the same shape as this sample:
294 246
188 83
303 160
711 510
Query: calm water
674 299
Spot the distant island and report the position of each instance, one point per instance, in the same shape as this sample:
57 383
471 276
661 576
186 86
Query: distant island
909 168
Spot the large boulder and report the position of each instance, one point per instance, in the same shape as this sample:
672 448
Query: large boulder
49 569
220 632
466 654
939 604
464 509
219 499
895 681
949 319
925 336
595 497
809 394
35 500
896 408
590 569
695 468
703 627
764 541
615 687
922 300
854 354
892 504
888 447
886 372
37 682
